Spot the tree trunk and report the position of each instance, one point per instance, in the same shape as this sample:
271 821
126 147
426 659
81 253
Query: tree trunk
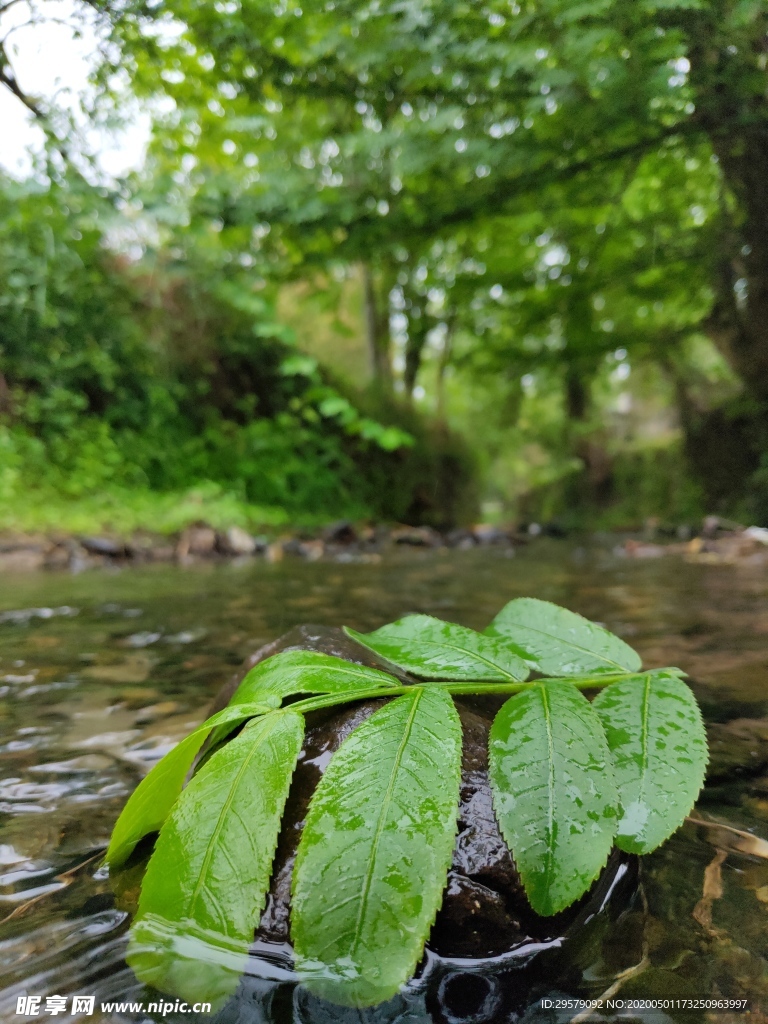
418 326
377 330
576 394
6 405
442 366
729 81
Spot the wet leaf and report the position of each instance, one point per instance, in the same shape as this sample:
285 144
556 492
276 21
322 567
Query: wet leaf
659 750
151 801
374 855
209 873
433 649
553 792
558 642
295 672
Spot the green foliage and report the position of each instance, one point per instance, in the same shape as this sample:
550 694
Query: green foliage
109 364
293 672
659 752
558 642
536 199
544 187
152 800
375 850
554 793
432 649
211 866
569 778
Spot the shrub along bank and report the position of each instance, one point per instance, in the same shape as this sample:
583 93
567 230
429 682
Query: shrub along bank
156 392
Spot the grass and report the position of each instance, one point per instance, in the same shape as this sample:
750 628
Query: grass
123 511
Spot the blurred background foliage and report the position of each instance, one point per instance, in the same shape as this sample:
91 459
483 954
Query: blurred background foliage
420 260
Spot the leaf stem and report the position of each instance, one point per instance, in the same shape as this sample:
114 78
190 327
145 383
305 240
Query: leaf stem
464 687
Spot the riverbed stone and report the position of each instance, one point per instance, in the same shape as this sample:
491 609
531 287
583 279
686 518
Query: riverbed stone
21 560
416 536
737 748
196 540
103 546
236 541
341 532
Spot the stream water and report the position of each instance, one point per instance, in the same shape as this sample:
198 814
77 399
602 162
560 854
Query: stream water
101 673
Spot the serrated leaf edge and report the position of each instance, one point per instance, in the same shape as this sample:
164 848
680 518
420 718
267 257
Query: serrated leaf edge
359 638
556 907
443 867
633 847
553 636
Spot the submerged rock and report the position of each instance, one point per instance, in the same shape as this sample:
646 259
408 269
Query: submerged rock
737 748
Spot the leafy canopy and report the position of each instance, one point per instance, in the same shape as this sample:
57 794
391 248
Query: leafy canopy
569 779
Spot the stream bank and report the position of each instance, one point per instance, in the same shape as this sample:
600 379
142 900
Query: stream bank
716 542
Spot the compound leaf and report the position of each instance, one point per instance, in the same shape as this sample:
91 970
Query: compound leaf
433 649
659 749
558 642
374 855
210 870
553 791
152 800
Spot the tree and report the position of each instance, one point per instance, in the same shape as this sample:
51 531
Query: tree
362 133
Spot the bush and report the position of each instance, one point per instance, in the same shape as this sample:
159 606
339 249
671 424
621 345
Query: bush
170 377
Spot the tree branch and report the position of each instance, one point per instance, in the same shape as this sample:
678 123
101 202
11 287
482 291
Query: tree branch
9 80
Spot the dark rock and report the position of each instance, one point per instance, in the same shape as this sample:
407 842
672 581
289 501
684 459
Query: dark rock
461 539
555 530
485 533
737 748
416 536
291 546
103 546
342 532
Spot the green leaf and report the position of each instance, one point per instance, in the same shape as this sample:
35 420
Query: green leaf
433 649
558 642
553 792
659 749
151 801
209 873
294 672
374 855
